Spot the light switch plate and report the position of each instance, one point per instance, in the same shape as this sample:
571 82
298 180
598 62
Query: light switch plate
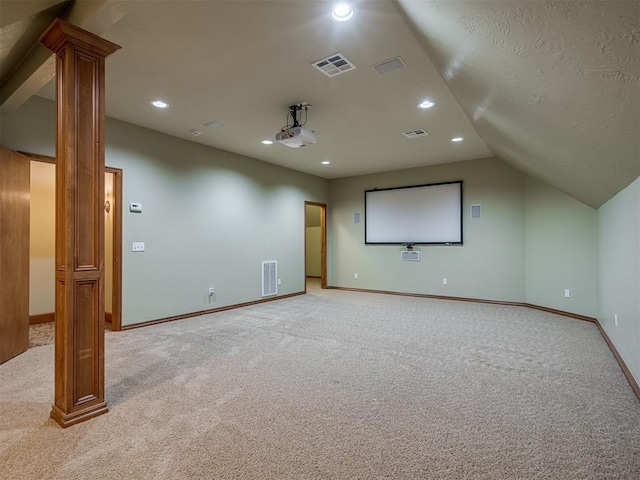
137 246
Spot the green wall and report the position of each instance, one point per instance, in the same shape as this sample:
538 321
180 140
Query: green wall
491 263
619 263
531 243
209 216
561 245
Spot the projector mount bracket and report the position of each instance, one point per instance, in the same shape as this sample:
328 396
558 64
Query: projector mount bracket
295 111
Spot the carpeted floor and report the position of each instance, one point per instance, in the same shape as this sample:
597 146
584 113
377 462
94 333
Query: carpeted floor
333 385
44 333
41 334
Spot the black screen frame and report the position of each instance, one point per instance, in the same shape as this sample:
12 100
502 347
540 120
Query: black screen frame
417 241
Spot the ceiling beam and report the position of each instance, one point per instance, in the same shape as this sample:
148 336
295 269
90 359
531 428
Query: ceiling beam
12 11
38 67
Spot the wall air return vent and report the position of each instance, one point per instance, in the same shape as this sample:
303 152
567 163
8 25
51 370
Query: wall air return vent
389 65
269 278
415 133
334 65
410 256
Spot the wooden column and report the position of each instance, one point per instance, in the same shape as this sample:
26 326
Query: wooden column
79 258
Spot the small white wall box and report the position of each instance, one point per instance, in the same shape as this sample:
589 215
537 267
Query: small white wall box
135 207
410 256
137 246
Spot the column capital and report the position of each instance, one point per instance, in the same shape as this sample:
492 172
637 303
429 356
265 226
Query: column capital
60 33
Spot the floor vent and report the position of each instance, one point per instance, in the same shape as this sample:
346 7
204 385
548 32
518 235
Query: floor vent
269 278
415 133
389 65
334 65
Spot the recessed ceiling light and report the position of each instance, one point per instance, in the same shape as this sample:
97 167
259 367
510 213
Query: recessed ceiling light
267 142
159 104
326 162
457 139
342 12
427 104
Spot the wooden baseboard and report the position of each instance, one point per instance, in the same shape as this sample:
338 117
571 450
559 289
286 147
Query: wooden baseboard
51 317
474 300
623 366
627 373
577 316
42 318
205 312
314 276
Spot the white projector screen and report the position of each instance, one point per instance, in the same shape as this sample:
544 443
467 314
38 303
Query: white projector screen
416 214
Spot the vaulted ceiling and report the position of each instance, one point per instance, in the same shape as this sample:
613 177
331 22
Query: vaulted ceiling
550 87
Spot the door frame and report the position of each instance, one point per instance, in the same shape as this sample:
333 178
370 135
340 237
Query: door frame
116 290
323 243
116 268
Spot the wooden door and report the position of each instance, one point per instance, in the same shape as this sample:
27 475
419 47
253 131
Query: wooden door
14 253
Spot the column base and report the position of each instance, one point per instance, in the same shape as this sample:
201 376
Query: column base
68 419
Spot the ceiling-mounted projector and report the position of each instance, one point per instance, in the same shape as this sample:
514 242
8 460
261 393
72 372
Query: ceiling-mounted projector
296 137
293 135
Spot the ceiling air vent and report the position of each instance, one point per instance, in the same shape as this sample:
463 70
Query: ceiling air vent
214 124
334 65
415 133
389 65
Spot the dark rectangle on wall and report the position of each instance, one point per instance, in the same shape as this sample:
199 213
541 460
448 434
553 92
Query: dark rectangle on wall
420 214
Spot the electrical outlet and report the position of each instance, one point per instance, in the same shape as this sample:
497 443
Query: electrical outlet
567 293
137 246
212 290
279 281
445 281
615 318
355 276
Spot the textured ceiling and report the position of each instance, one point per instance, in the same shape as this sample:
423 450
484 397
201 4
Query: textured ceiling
549 87
552 87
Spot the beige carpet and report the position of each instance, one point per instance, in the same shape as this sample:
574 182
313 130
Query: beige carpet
338 385
44 333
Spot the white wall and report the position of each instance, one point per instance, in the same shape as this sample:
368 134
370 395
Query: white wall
42 238
313 241
619 263
314 246
210 217
490 264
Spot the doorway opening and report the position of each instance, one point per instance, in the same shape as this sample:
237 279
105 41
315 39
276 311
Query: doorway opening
315 251
42 248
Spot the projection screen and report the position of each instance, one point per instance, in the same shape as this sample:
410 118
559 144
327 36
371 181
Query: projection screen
421 214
